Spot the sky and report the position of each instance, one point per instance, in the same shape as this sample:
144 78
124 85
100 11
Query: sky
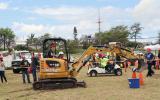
58 17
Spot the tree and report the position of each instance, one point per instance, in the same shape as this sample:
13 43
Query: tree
30 39
20 47
7 37
36 41
135 30
115 34
72 46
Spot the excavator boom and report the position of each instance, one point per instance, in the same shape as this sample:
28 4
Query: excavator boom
122 52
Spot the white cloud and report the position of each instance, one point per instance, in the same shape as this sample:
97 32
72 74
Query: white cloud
66 13
39 29
84 18
3 6
83 13
147 12
87 15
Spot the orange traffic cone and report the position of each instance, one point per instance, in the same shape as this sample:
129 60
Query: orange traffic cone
141 81
134 75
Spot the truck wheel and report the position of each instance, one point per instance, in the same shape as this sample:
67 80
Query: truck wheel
118 72
15 71
93 73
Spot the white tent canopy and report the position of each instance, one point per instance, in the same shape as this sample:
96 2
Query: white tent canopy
153 47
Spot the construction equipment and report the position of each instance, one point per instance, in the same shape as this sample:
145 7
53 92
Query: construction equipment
116 49
57 72
60 73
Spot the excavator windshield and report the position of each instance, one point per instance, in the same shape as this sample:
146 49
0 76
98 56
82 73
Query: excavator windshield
55 47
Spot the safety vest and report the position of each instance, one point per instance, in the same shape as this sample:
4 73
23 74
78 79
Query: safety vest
103 62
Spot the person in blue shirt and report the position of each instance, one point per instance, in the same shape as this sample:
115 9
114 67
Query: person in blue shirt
149 58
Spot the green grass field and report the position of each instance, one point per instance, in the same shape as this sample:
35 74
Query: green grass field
98 88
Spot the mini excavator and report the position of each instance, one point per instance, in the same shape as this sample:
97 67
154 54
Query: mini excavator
58 73
55 72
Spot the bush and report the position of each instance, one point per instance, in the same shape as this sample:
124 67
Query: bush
21 47
73 47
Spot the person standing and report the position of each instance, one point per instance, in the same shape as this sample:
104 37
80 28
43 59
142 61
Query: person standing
149 59
24 68
2 71
34 67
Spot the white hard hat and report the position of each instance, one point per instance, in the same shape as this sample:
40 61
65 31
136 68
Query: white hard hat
61 53
134 69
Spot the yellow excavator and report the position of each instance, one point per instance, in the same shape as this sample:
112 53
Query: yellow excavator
58 72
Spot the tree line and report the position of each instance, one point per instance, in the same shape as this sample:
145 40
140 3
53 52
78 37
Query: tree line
120 33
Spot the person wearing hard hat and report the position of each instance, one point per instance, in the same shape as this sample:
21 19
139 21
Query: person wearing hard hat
103 61
51 53
149 59
61 55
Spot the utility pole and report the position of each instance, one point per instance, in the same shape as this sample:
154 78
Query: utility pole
99 21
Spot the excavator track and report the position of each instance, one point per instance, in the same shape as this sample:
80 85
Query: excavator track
57 84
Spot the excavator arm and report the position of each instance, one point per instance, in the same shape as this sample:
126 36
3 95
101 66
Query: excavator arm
86 56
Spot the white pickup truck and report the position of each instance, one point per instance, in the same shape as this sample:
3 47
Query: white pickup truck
18 58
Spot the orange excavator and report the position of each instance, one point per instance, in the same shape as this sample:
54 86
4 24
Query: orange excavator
58 72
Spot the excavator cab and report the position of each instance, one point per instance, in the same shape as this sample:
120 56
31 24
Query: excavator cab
53 66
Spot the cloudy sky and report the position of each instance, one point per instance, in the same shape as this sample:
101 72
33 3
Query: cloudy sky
58 17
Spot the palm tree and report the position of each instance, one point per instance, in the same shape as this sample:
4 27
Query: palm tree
6 37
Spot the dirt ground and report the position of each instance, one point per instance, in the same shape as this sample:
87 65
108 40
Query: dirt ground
98 88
